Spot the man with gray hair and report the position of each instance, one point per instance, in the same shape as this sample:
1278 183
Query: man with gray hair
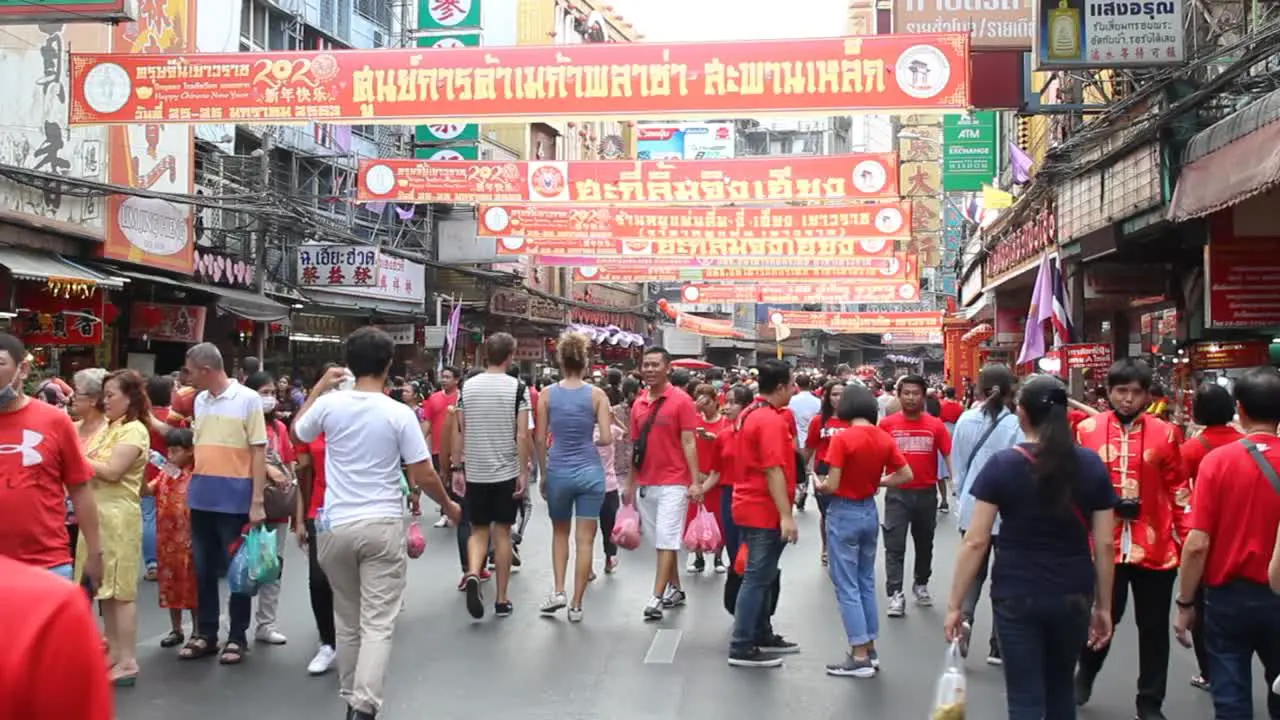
225 493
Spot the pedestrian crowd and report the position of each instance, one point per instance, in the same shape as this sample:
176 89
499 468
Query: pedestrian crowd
1076 515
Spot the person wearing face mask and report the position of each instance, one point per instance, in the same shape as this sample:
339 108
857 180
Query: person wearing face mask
1142 456
281 470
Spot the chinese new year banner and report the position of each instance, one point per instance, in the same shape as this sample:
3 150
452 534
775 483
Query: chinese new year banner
856 322
703 182
864 270
606 247
880 221
615 80
803 293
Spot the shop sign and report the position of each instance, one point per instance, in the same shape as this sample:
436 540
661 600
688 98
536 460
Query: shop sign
401 333
435 15
399 280
446 132
969 150
67 11
167 323
606 80
1243 280
452 153
1022 245
600 229
322 325
1112 280
686 141
150 155
513 303
1003 24
1086 34
222 270
530 349
802 293
1088 356
338 266
912 338
865 176
46 319
1230 355
858 322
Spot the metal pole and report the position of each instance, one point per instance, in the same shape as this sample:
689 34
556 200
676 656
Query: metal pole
260 244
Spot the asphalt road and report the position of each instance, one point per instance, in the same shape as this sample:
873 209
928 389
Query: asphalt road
613 665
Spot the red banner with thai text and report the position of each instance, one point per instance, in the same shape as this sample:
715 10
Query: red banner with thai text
826 178
860 270
802 293
858 322
627 80
1230 355
1093 356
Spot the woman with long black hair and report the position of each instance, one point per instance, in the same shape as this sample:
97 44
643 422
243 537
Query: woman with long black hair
824 426
1050 592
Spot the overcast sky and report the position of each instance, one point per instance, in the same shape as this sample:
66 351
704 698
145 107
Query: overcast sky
692 20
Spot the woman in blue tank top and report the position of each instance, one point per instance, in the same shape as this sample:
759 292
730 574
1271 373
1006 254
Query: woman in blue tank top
569 415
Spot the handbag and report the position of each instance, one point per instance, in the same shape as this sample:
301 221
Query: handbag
638 449
280 496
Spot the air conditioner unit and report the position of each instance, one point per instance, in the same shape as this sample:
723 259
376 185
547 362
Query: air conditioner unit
378 39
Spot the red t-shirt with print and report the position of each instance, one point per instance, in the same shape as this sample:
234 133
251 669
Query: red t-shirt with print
765 440
819 436
1236 506
664 462
920 441
315 449
706 448
40 457
723 457
864 454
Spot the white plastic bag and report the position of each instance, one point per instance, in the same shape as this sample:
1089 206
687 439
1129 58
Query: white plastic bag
949 698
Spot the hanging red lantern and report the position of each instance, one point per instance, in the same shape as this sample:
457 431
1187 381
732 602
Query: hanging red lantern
245 327
148 316
110 314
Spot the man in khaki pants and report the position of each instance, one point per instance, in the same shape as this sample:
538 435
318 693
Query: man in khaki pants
361 545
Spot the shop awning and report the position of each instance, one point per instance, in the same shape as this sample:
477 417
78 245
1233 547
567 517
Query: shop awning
344 303
240 303
1231 161
26 264
979 333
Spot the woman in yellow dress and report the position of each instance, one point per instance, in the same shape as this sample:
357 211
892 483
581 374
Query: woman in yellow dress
118 456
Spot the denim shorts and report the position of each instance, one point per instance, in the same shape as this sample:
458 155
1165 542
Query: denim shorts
573 492
65 571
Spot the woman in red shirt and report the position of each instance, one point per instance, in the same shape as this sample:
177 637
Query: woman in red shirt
1214 409
711 424
723 470
862 458
822 428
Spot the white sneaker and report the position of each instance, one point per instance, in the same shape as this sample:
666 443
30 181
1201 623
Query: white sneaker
575 615
323 660
270 635
443 522
691 566
553 603
923 598
897 605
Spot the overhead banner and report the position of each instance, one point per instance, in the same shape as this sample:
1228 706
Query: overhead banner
14 12
720 248
614 182
698 325
885 262
605 80
1085 34
881 221
858 322
802 293
874 272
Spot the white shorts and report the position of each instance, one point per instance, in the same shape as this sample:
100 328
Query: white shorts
662 513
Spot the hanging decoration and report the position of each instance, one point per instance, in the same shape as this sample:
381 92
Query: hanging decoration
67 288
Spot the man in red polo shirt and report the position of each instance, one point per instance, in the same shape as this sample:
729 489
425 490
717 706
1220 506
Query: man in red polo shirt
1234 517
762 510
663 420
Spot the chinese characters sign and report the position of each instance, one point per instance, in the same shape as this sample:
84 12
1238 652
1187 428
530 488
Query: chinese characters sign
614 182
46 319
66 11
338 265
517 304
969 151
885 72
802 293
1106 33
436 15
855 322
858 270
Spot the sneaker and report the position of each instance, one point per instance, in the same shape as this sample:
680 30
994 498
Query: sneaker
516 562
993 655
653 610
801 497
553 603
897 605
778 645
675 597
575 615
852 667
753 658
720 566
1202 683
944 508
923 598
462 584
443 522
323 660
611 565
475 603
874 656
503 609
695 564
269 635
485 574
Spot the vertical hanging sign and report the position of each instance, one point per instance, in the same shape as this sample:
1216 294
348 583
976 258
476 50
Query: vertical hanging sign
969 151
445 15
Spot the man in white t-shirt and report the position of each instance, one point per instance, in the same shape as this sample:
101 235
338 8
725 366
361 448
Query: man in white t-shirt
361 546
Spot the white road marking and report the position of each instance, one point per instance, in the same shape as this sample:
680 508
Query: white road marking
662 651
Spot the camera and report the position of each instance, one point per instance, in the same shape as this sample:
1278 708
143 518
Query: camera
1129 508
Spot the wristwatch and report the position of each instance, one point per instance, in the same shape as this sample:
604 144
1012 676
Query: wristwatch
1184 604
457 467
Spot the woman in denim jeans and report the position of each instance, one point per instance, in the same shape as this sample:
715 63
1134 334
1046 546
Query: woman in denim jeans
1051 496
861 459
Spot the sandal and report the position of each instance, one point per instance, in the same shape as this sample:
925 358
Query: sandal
232 654
197 647
173 639
125 679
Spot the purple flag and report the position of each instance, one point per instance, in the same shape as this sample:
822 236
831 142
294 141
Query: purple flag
404 215
1020 163
342 138
1041 309
375 207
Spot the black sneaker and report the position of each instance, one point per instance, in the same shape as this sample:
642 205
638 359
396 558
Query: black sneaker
516 562
778 645
801 497
944 508
699 564
475 603
503 609
753 658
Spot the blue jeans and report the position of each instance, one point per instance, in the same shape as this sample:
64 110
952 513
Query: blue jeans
853 532
212 534
66 572
751 613
1040 638
149 530
731 537
1240 622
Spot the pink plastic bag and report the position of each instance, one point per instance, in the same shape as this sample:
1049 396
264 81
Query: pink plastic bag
415 541
702 535
626 529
